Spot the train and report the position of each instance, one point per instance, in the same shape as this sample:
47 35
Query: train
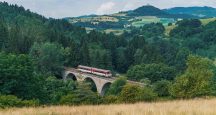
95 71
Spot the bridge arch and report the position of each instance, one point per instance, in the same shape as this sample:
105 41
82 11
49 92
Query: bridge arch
105 88
92 83
71 76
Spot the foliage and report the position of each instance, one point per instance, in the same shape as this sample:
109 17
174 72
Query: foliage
110 99
3 34
117 86
81 96
187 28
12 101
162 88
130 93
196 79
134 93
57 88
48 57
17 78
154 72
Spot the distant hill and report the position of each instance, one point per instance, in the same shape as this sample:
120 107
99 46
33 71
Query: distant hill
148 11
202 12
119 22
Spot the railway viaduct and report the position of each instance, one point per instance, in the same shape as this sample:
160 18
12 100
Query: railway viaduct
101 83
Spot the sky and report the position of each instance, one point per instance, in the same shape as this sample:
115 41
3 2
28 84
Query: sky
74 8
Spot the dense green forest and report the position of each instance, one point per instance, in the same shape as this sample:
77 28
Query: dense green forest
35 50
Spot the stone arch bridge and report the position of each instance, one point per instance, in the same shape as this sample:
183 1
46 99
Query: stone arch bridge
101 83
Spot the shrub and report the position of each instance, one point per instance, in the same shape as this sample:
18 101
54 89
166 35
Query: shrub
68 100
130 93
195 82
134 93
30 103
117 86
110 99
153 72
162 88
12 101
170 24
9 101
147 94
81 96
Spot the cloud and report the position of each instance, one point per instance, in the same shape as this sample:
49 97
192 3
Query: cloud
133 4
106 7
128 6
69 8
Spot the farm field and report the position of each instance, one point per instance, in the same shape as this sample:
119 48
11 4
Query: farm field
206 21
181 107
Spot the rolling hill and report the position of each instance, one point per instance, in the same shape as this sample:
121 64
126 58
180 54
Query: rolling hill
128 19
202 12
125 20
121 21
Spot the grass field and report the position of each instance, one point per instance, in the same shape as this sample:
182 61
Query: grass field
206 21
182 107
168 29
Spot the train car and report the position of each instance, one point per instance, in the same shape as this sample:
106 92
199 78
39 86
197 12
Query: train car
95 71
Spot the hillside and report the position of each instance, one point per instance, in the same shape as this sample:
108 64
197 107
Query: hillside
128 19
28 27
202 12
148 11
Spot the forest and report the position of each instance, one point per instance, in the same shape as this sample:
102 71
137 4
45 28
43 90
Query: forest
34 51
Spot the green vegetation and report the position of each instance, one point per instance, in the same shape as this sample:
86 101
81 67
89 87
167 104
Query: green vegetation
208 20
13 101
34 51
203 12
196 79
153 72
124 21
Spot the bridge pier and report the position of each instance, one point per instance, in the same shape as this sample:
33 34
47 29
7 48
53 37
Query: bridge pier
102 83
99 81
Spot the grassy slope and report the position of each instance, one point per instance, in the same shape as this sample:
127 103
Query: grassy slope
204 22
168 29
183 107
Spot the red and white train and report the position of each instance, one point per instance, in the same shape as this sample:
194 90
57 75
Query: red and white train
96 71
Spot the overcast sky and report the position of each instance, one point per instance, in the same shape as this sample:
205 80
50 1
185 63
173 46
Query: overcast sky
72 8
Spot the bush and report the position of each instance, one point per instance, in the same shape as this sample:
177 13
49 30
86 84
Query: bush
130 93
12 101
30 103
9 101
170 24
81 96
147 94
134 93
116 86
79 99
111 99
154 72
195 82
162 88
68 100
